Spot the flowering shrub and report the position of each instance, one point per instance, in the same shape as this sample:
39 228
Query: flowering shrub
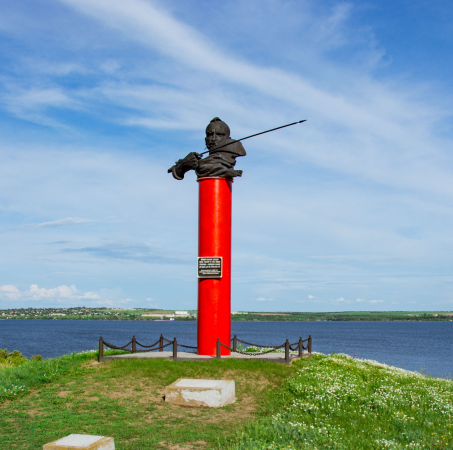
343 403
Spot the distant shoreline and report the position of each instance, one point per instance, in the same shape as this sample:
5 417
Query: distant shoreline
145 314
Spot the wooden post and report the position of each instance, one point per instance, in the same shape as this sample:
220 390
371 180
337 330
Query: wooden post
300 347
287 351
175 349
309 344
235 344
161 343
134 345
218 348
101 349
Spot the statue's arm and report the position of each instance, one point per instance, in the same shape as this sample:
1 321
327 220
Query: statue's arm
190 162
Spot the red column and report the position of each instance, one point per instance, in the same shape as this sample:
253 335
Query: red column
214 239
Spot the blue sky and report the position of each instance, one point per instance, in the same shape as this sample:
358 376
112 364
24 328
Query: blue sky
352 210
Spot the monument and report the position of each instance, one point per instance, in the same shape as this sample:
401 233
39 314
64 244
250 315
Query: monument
215 175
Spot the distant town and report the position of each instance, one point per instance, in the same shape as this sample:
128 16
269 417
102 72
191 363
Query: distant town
85 313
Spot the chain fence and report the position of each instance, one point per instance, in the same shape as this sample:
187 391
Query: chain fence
159 345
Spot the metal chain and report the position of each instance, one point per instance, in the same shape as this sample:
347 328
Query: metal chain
115 347
186 346
266 346
157 348
250 353
148 346
256 345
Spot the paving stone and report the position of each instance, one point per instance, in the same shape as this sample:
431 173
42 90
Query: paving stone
194 392
81 441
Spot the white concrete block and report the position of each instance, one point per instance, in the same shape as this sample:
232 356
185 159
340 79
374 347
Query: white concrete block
81 441
192 392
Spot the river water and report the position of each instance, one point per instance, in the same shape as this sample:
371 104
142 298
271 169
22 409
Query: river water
416 346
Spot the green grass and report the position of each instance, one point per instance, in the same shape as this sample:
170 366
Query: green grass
345 404
324 402
18 375
124 399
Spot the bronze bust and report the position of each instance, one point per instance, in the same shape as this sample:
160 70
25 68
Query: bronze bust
223 152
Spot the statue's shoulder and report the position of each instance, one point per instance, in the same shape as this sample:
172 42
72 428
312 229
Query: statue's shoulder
234 147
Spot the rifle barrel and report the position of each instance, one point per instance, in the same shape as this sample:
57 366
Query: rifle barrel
253 135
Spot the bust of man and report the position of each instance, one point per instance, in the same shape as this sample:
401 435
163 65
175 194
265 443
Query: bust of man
223 152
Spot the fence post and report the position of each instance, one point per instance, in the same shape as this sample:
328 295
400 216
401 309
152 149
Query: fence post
235 344
161 343
218 349
175 349
101 349
309 344
301 346
134 344
287 351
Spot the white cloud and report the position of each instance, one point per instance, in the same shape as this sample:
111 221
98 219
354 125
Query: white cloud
61 222
36 293
9 292
153 26
262 299
369 132
360 300
376 301
311 296
11 296
33 103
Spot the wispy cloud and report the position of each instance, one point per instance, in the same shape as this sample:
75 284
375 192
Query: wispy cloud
143 253
334 200
68 221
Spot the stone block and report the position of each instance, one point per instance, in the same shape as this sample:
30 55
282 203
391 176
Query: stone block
191 392
81 441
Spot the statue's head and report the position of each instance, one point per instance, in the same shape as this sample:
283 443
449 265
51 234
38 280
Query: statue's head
216 132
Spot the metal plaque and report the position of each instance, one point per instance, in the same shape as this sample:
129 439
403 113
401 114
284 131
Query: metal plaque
210 267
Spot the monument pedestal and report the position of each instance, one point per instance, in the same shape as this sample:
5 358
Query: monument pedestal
214 241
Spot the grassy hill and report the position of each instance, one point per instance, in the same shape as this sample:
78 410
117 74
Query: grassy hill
323 402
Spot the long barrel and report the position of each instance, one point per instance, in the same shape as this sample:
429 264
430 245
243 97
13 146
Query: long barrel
253 135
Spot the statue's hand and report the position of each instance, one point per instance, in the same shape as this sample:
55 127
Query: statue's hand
190 162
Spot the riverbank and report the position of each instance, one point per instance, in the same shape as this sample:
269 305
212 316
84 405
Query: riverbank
143 314
334 401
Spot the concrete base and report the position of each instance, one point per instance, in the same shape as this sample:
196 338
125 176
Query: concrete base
211 393
185 356
81 441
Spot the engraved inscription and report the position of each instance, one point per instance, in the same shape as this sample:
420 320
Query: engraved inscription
210 267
